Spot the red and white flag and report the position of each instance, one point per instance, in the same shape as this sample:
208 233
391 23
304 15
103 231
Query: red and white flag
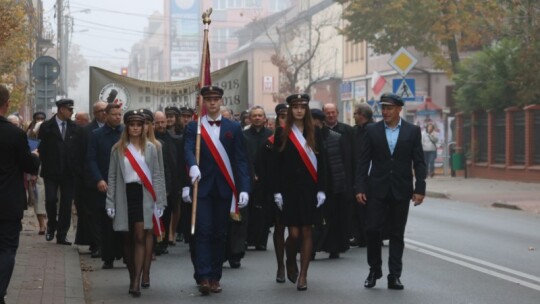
377 83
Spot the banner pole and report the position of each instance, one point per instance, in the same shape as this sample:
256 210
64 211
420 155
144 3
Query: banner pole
206 21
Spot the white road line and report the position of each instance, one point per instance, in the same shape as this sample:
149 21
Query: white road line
414 245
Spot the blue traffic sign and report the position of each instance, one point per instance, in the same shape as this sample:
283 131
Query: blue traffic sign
404 87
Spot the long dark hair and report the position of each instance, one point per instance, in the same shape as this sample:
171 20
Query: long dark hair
309 128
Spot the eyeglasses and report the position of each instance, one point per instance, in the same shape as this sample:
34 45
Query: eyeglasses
99 111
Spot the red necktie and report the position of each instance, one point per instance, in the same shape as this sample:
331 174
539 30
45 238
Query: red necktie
217 122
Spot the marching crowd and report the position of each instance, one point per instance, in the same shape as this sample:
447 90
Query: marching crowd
137 177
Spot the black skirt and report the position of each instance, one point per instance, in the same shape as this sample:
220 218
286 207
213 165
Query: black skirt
134 194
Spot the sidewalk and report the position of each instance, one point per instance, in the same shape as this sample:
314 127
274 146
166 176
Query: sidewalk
45 272
487 192
49 273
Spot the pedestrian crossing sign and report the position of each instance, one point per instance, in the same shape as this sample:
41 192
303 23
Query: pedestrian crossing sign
404 87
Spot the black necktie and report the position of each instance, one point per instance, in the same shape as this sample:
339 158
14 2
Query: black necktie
217 122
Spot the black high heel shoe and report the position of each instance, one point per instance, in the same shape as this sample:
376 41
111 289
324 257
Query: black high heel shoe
135 293
145 285
301 287
292 276
280 278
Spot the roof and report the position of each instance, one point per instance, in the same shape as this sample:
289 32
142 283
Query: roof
427 105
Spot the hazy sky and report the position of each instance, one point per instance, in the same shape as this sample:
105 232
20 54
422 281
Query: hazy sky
109 26
105 34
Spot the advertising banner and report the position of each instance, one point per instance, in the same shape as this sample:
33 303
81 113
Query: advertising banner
133 94
185 39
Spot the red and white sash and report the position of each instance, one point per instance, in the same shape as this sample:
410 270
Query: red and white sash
306 153
224 164
141 168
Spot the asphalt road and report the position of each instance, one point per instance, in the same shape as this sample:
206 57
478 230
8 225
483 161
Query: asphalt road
455 253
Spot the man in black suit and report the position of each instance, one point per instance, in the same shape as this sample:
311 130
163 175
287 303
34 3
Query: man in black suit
88 212
15 158
390 147
60 152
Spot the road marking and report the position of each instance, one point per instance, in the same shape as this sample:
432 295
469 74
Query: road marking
446 255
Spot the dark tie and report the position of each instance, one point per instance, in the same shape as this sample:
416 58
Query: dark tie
63 130
217 122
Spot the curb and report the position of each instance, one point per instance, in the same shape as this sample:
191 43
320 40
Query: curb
74 289
505 205
435 194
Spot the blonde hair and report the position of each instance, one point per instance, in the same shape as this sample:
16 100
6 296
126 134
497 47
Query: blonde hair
151 136
122 144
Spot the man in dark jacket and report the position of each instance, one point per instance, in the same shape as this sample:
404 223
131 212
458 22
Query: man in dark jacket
15 158
88 223
98 157
332 235
60 154
256 136
392 148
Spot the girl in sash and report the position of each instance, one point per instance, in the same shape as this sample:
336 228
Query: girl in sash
299 183
135 185
151 237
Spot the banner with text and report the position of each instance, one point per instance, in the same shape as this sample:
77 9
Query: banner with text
133 94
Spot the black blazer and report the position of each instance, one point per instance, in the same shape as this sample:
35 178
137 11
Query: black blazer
391 173
15 158
61 158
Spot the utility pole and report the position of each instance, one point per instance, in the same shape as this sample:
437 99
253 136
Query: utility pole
60 45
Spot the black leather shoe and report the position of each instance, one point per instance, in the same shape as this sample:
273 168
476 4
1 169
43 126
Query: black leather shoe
371 280
95 254
333 255
49 235
107 265
235 264
63 241
394 283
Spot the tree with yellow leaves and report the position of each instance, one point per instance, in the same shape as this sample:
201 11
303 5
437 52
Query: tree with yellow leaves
16 46
440 29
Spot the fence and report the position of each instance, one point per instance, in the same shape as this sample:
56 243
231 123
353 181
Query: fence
501 144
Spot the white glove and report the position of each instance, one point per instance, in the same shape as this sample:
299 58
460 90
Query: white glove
321 197
111 212
278 199
243 200
185 195
194 173
159 212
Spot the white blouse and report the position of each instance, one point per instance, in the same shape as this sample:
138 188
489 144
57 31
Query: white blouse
131 175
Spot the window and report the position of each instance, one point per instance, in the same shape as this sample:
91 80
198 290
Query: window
278 5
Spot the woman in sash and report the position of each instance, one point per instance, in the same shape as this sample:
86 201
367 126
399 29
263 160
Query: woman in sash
299 183
135 193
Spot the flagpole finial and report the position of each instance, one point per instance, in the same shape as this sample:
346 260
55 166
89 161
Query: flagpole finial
206 16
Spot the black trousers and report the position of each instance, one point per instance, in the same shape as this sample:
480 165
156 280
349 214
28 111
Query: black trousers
111 241
9 242
393 214
59 219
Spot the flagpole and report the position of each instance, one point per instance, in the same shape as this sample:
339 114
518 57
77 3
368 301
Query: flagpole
206 21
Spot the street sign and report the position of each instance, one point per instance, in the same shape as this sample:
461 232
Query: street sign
46 69
404 87
402 61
